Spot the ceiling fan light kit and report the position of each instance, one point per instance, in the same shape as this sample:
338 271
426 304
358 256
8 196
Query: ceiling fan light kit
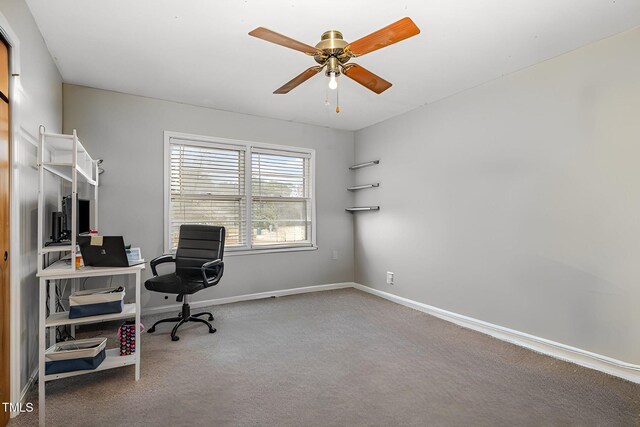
333 54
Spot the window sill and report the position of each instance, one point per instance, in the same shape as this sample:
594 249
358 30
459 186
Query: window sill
239 252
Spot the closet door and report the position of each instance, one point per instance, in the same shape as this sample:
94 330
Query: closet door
5 395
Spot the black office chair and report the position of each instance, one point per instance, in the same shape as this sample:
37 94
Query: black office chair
198 266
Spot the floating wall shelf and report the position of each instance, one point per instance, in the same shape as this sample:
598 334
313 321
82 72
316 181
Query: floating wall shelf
363 208
364 165
362 187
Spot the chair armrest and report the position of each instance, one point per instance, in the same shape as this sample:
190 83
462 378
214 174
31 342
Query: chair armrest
160 260
210 281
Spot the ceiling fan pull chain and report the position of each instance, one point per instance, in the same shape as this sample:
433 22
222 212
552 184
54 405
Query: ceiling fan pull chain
338 99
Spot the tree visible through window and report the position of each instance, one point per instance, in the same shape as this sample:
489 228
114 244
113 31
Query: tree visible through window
281 199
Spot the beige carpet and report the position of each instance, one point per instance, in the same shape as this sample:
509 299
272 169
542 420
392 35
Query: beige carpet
337 358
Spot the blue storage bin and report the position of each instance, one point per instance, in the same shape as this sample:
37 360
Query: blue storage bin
95 302
79 355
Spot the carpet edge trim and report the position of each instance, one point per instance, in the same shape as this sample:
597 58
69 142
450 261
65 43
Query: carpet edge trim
31 382
608 365
249 297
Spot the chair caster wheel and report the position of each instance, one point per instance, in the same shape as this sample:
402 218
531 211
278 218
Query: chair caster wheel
152 330
175 338
212 331
210 318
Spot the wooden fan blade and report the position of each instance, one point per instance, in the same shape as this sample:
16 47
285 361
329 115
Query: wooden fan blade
273 37
394 33
366 78
298 80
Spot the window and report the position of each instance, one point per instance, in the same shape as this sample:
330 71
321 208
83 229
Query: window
207 187
262 194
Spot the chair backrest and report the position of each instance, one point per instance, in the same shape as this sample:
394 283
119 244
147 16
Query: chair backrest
198 244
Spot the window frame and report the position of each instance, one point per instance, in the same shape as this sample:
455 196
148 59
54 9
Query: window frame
210 141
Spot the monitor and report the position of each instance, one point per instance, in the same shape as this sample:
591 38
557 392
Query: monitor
83 220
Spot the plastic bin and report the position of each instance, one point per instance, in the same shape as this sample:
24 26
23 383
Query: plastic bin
79 355
95 302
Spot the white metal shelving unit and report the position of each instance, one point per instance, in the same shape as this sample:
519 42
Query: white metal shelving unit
54 319
64 156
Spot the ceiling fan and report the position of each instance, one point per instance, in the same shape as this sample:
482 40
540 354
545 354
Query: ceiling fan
334 53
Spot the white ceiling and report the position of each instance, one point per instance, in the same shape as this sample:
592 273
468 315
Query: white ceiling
198 51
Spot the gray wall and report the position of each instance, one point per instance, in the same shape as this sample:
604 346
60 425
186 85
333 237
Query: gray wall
127 132
517 202
39 96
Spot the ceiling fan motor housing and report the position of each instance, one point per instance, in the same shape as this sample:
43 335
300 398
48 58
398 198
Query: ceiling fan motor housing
332 45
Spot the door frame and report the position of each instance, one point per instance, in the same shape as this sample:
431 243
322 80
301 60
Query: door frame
16 95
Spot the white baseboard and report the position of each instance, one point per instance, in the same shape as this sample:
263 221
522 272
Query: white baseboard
27 388
249 297
564 352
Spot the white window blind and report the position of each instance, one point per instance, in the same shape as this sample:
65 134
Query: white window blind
261 193
281 198
207 186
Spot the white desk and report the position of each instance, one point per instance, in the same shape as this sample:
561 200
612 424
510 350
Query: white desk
61 270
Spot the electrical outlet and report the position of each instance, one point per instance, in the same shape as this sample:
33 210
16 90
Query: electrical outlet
334 254
389 278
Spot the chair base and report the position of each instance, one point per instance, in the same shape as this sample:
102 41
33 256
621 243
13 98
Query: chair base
183 318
